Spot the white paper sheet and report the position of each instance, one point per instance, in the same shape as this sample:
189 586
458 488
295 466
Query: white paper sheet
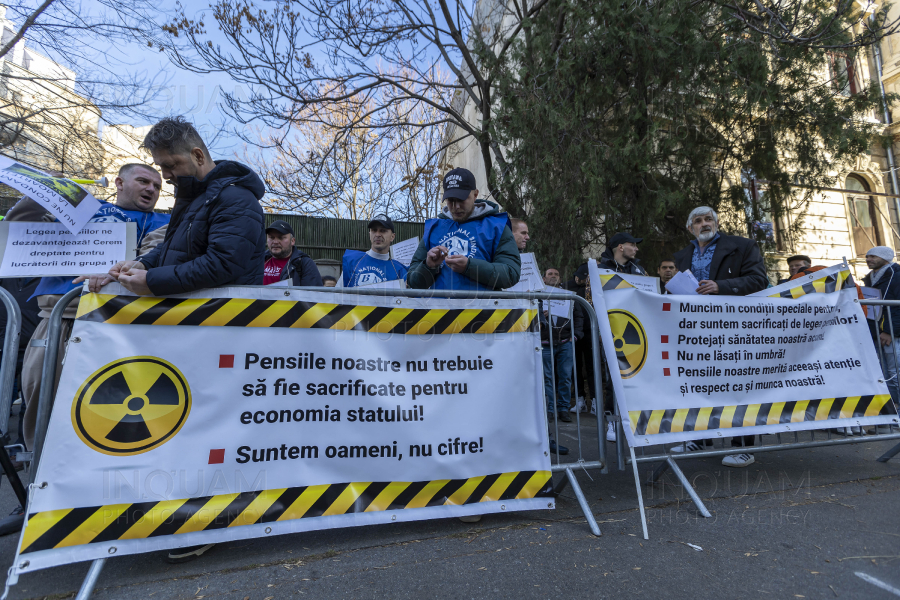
683 284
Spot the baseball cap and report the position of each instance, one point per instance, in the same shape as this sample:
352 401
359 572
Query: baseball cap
458 183
582 271
624 238
799 257
281 227
383 220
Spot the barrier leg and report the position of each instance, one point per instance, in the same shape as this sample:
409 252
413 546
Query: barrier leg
889 454
640 495
662 468
87 586
12 476
582 501
687 486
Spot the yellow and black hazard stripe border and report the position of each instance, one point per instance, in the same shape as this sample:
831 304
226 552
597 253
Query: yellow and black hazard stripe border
830 283
650 422
242 312
96 524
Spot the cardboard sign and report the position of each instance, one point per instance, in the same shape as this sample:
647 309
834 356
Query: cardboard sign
403 251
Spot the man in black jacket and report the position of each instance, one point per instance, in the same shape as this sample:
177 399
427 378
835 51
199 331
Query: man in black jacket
284 262
217 234
885 276
727 265
723 264
620 254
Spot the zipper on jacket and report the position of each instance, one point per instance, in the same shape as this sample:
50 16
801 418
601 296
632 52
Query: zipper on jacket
189 245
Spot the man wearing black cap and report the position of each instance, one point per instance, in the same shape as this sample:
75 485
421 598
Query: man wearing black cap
374 265
620 254
286 263
470 246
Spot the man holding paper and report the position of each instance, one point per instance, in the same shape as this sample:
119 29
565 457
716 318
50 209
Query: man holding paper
723 264
374 265
727 265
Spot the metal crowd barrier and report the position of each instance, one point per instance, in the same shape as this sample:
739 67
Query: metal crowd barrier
567 469
7 382
720 446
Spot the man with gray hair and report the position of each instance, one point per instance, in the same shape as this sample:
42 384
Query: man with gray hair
727 265
723 264
885 276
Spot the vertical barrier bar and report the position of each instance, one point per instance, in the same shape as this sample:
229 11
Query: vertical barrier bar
10 356
48 377
598 385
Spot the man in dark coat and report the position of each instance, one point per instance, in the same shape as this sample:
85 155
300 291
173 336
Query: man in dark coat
284 262
885 276
723 264
216 236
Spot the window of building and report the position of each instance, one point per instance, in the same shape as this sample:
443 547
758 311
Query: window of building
863 215
844 77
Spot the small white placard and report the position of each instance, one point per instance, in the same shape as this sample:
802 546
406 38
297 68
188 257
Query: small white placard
67 201
49 249
403 251
560 308
872 311
683 284
530 279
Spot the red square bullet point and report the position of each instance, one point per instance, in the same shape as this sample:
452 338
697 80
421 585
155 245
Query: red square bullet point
664 339
665 356
667 306
666 372
226 361
217 457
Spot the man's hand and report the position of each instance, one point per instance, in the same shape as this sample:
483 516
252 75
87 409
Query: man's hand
457 263
885 339
125 265
95 282
436 256
708 287
135 280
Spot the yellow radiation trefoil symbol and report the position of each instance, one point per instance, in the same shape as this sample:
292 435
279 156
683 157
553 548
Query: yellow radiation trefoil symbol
629 341
131 406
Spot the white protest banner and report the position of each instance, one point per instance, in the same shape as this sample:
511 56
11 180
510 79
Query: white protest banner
826 280
403 251
695 367
49 249
243 412
530 279
67 201
612 280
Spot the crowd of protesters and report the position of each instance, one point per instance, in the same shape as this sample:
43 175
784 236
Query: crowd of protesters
216 236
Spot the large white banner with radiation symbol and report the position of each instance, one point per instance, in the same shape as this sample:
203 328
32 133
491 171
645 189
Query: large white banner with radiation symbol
694 367
245 412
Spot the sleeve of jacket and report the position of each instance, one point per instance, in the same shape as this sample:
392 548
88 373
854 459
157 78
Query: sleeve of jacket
309 273
235 230
419 276
152 240
578 318
892 293
753 275
506 269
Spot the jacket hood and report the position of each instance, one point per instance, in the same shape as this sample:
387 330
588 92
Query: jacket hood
225 173
483 208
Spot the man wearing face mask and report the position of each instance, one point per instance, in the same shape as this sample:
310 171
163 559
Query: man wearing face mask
217 233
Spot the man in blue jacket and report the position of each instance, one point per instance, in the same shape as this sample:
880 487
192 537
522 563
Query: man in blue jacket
217 234
375 265
137 191
470 246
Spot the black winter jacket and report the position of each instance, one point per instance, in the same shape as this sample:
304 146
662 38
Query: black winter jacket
889 284
216 236
301 269
562 329
608 261
737 266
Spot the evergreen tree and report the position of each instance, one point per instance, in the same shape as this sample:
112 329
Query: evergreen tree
625 116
